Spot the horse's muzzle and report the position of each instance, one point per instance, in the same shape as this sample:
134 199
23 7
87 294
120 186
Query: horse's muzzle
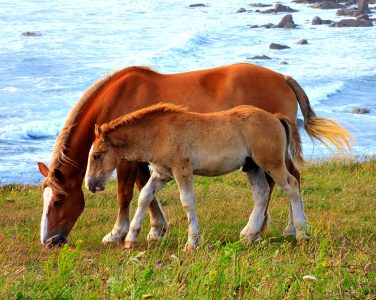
95 185
56 240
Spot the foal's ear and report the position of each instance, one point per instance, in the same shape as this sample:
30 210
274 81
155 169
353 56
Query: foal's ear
43 169
97 130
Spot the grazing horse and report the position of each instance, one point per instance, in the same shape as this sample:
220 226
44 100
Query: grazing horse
134 88
179 144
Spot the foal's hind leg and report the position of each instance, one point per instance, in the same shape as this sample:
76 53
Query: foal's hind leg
261 196
158 220
290 186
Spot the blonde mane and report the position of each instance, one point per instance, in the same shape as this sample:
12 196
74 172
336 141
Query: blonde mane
59 155
140 114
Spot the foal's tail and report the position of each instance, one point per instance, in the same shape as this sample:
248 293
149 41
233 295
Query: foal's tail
325 130
293 139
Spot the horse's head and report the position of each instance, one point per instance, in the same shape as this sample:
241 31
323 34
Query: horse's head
63 202
102 162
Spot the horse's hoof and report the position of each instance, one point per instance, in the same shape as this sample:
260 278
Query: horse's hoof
113 239
289 231
190 247
129 245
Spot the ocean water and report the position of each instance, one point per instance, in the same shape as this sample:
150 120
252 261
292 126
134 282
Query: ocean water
43 76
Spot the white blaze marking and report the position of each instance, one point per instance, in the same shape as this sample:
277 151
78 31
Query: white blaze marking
47 197
87 168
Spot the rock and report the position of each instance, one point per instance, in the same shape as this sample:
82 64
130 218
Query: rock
283 8
353 23
327 5
241 10
278 8
360 111
302 42
30 33
346 12
259 5
363 7
283 63
363 17
287 22
316 21
259 57
269 25
278 46
197 5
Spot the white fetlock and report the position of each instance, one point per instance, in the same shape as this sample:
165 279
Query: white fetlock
190 247
302 232
113 238
289 231
156 234
250 238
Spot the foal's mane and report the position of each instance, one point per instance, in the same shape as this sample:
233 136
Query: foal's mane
59 155
141 114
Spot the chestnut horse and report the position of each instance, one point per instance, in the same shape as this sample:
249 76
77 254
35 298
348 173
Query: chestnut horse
179 144
133 88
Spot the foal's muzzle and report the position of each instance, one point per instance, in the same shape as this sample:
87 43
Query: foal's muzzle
56 240
95 185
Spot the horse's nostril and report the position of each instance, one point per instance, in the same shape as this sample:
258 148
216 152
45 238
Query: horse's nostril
57 240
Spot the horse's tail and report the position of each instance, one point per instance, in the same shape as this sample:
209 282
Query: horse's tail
325 130
293 139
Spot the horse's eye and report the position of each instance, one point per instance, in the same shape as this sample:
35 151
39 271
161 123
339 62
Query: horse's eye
58 202
96 156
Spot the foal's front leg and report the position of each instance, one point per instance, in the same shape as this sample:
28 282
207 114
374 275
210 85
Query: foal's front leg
187 198
147 194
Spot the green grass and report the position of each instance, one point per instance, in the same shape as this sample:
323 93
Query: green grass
340 202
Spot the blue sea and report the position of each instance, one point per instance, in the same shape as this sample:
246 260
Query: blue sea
77 42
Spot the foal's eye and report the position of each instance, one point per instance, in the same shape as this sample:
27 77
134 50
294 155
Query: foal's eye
96 156
58 202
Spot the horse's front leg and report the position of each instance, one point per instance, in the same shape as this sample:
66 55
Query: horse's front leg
147 194
261 196
158 220
126 177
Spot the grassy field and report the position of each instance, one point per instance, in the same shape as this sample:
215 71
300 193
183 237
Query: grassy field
340 202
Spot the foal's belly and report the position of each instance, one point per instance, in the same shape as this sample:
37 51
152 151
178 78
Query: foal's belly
216 165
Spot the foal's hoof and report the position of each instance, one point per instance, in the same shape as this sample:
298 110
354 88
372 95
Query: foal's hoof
113 239
250 238
129 245
302 232
156 234
289 231
190 247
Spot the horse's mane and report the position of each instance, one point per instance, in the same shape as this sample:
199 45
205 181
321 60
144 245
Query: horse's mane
59 155
140 114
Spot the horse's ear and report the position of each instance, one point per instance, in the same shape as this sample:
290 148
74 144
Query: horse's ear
59 176
43 169
97 130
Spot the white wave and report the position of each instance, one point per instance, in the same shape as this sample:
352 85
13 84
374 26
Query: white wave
322 92
9 89
40 130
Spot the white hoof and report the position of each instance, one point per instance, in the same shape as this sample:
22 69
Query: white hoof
112 238
156 234
250 238
302 232
190 247
289 231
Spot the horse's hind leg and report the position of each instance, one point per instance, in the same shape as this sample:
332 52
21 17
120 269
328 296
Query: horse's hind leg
261 195
158 220
147 194
126 176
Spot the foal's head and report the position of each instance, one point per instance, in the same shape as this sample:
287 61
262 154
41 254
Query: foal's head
102 162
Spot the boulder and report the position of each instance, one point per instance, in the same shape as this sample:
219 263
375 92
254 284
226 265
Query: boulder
241 10
30 33
302 42
316 21
259 57
278 8
328 5
363 17
360 111
259 5
197 5
346 12
275 46
283 63
287 22
353 23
